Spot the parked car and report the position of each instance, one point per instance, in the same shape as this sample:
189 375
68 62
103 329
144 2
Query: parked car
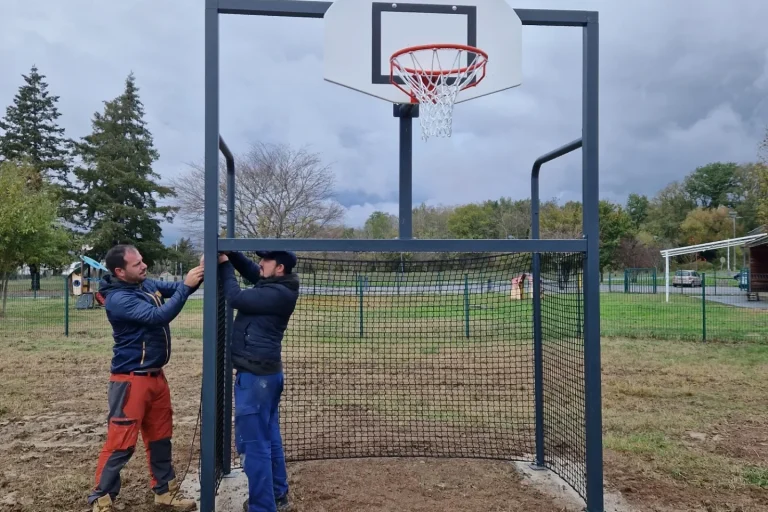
686 278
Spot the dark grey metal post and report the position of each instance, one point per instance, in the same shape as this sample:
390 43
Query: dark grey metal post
211 231
227 405
591 194
538 353
406 112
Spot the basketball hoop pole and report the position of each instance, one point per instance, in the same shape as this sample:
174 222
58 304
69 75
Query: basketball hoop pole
406 112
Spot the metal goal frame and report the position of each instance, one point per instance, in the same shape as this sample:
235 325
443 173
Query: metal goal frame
215 441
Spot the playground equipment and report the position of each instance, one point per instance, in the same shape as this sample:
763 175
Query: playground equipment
83 279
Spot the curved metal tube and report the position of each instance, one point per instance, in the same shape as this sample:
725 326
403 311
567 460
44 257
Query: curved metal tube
538 354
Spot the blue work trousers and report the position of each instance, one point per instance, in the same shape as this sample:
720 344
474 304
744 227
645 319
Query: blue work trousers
258 439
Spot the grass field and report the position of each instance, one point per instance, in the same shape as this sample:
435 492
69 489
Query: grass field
684 422
622 315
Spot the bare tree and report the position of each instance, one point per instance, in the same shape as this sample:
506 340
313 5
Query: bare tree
280 192
632 253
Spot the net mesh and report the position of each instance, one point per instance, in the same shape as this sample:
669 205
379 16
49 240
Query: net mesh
395 355
222 421
434 77
562 329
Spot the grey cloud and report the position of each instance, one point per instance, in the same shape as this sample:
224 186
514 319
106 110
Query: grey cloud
682 83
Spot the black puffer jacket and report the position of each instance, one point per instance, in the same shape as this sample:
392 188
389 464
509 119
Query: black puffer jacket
262 316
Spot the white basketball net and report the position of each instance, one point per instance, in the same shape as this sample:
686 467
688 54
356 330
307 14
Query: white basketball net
434 86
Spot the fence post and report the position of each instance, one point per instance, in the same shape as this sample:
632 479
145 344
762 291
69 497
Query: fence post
626 282
314 283
466 305
360 284
66 306
654 280
610 281
704 307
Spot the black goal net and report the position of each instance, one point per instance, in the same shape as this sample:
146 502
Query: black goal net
414 355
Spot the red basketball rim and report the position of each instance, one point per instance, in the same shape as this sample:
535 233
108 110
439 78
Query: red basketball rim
475 65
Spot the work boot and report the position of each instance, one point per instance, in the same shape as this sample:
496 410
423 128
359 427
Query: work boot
283 505
174 499
103 504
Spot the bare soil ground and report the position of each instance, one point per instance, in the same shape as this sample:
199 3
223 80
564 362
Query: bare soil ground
685 429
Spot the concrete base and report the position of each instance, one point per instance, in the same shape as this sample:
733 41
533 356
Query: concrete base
233 491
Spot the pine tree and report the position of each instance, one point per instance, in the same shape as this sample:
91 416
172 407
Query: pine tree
118 192
30 132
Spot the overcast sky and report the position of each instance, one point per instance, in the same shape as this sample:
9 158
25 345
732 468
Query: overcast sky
683 83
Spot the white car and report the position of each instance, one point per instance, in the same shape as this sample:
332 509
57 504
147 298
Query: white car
686 278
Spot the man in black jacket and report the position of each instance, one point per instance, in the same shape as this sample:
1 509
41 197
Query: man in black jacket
263 312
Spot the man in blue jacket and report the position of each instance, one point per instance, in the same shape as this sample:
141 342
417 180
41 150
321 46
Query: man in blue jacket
138 395
263 312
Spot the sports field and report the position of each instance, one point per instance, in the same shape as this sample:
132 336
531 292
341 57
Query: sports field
683 421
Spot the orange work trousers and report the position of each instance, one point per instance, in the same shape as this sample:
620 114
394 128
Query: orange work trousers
138 403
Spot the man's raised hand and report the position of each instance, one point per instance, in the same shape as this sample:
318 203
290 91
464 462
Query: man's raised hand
222 258
194 277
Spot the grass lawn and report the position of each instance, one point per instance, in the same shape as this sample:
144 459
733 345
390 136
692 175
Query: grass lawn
622 315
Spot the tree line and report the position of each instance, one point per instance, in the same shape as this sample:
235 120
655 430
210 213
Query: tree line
65 197
713 202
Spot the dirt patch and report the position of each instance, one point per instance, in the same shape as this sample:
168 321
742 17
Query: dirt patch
54 425
454 400
415 485
53 422
647 491
683 426
412 484
746 440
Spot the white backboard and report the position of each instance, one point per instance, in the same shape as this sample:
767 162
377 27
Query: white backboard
361 35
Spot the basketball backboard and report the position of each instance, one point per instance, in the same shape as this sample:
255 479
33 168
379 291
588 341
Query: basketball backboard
362 35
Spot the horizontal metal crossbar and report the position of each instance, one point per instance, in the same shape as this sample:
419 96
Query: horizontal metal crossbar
314 9
400 245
